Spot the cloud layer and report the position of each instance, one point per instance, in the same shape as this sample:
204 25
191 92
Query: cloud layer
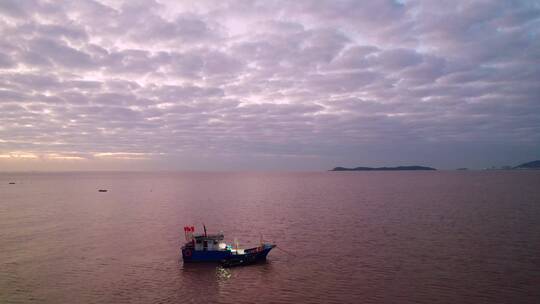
268 84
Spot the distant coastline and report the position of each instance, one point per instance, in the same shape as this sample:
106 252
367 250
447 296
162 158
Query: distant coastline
532 165
398 168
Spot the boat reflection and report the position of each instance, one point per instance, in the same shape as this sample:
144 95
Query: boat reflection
205 272
203 282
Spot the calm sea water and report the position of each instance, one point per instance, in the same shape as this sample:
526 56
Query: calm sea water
346 237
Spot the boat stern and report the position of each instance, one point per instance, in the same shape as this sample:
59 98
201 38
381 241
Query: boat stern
187 254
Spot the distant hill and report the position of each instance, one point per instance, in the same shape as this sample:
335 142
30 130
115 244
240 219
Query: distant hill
399 168
530 165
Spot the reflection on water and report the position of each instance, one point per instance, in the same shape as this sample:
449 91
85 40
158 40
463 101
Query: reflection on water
203 281
223 274
377 237
210 282
200 272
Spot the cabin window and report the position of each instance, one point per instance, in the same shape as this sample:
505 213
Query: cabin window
198 241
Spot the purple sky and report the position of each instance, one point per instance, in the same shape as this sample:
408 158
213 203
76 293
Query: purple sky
249 85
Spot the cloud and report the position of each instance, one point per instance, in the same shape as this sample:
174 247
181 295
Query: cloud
320 82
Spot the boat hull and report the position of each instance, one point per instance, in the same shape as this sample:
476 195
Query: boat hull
246 259
226 257
189 255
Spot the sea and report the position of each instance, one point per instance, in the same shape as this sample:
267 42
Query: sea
342 237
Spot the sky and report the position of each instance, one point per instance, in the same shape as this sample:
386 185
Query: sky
268 85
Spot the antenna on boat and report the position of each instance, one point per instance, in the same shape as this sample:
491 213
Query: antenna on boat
204 230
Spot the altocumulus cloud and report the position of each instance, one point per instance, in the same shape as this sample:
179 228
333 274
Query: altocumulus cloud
268 84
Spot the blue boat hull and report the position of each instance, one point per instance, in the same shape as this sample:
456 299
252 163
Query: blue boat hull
224 256
204 256
246 259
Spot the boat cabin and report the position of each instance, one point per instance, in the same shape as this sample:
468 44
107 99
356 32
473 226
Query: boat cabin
210 242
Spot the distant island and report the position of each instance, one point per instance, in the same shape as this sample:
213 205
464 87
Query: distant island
399 168
532 165
535 165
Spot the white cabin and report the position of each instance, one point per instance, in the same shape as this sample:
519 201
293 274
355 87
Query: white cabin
210 242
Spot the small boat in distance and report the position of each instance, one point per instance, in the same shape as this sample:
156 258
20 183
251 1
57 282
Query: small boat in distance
212 248
102 190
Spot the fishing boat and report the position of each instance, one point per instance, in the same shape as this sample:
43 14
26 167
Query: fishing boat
212 248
